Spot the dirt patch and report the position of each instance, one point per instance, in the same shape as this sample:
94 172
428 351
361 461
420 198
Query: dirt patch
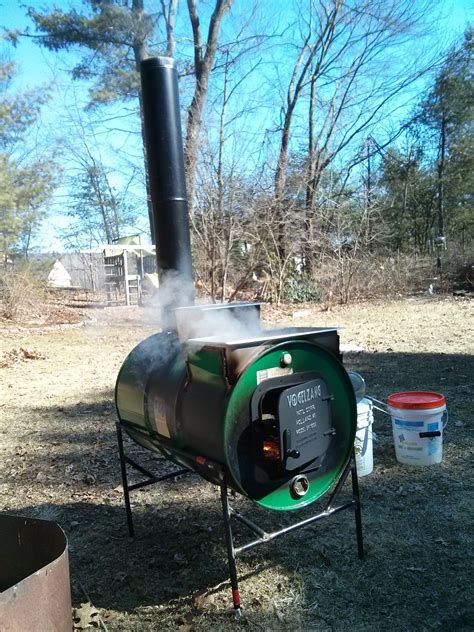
59 461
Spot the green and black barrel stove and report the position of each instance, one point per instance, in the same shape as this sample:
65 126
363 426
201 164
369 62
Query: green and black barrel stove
268 413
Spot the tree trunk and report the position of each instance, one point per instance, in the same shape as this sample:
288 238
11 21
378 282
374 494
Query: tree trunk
308 249
280 182
441 165
202 68
140 52
169 17
368 197
220 182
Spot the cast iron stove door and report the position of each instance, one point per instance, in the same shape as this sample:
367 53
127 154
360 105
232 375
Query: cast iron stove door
304 418
291 418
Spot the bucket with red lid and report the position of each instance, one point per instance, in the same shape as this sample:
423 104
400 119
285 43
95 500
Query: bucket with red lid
417 425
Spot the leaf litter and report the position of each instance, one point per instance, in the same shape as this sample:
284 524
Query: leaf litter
59 461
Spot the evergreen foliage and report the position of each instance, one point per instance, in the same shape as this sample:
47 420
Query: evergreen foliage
26 183
112 36
98 212
429 189
280 189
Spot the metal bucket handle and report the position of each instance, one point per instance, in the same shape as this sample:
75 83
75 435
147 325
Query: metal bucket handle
382 410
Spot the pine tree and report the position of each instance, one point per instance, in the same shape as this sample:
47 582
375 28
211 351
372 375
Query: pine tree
25 184
114 36
98 212
447 114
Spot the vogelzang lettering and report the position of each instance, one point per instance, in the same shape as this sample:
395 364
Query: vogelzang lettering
304 396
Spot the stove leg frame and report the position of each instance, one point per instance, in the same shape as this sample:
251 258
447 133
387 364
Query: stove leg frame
228 512
150 477
357 511
231 554
263 537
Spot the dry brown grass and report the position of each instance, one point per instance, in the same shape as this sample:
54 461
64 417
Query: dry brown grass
21 295
59 460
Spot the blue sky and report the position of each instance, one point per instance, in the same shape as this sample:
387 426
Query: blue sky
36 63
39 67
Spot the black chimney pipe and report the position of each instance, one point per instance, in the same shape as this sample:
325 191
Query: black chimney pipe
165 160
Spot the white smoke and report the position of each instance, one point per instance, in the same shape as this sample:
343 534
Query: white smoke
226 322
175 306
174 291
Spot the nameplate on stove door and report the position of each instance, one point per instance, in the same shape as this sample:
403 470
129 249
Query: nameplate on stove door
304 418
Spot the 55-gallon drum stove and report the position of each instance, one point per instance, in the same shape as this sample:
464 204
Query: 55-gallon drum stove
268 413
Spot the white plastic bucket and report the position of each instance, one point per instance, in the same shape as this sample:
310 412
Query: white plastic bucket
363 443
417 426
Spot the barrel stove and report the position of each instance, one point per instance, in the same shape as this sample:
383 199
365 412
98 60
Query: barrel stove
268 413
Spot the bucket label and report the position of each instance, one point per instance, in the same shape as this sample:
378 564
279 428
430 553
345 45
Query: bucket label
408 425
410 447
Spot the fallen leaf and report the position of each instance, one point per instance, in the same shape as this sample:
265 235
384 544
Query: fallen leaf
30 354
203 600
85 616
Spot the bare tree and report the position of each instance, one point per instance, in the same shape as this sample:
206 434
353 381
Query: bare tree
222 200
337 69
204 56
116 37
169 16
99 202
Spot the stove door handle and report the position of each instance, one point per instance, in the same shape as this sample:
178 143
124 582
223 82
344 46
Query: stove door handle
287 448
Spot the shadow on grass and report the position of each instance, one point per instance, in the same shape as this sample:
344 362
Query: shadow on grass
416 542
416 520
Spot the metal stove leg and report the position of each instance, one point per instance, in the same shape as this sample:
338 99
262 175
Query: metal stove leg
356 496
123 467
230 548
